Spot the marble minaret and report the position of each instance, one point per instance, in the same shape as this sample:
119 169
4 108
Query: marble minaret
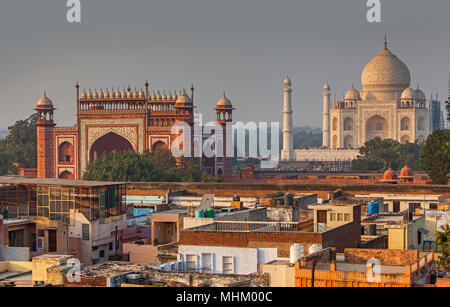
287 154
326 116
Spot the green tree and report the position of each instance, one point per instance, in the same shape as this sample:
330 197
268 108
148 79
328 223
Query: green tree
159 166
6 163
21 142
435 159
124 166
378 154
443 241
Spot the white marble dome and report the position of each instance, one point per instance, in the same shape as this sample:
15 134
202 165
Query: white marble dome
385 70
352 94
409 94
420 96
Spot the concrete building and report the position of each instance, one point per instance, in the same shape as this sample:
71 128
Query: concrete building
335 214
356 268
63 216
224 260
402 202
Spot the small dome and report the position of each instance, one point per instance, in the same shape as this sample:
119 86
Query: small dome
406 171
141 94
159 97
164 96
83 95
153 96
135 94
44 102
129 93
95 94
390 175
174 96
420 96
409 94
326 86
224 101
89 95
183 99
352 94
123 94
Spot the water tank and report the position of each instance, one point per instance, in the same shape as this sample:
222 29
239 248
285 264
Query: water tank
373 230
199 213
236 198
314 248
209 213
373 208
297 251
288 199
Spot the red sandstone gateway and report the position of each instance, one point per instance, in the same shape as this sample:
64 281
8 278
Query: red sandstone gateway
117 121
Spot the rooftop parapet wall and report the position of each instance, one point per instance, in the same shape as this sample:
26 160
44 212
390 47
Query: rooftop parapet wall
257 189
385 256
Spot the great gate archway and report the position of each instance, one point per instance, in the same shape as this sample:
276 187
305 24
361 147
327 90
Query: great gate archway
108 143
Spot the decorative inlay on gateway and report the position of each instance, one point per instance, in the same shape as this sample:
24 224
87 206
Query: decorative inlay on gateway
129 133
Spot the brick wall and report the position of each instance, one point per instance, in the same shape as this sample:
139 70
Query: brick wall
280 240
385 256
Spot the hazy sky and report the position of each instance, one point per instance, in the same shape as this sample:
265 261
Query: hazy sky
245 47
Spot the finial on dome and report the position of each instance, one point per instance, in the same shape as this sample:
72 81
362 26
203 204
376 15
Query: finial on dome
385 41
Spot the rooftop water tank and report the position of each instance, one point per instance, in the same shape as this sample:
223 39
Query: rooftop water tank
373 208
296 252
199 213
314 248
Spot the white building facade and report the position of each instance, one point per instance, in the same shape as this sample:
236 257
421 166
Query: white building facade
386 107
223 260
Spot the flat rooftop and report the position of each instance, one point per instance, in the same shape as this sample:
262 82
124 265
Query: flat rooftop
18 180
15 221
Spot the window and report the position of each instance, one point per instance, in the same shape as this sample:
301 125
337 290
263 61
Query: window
333 217
110 246
227 265
419 237
101 253
433 206
85 232
347 217
339 217
414 206
190 262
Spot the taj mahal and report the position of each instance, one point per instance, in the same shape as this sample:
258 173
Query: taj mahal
386 107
